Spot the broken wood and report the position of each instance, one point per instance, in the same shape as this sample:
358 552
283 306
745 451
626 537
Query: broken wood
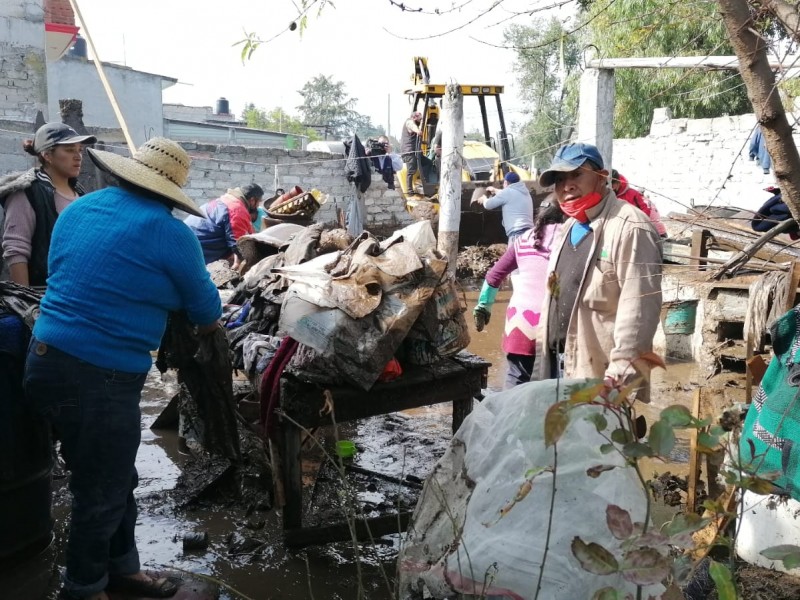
791 297
397 480
364 530
694 458
737 261
699 247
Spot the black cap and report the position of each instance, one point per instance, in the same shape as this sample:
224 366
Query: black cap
54 134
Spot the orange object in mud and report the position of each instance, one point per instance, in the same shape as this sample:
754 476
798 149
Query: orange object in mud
391 371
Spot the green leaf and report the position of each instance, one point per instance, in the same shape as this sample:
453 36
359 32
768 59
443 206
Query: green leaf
555 422
619 522
595 471
684 523
599 421
662 438
606 448
585 394
607 593
535 472
707 441
757 485
621 436
637 450
677 416
594 558
787 553
726 589
645 566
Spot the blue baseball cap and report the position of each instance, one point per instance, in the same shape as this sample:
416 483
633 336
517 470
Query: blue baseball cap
511 177
568 158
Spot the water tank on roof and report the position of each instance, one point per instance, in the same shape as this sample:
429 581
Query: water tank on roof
78 48
223 108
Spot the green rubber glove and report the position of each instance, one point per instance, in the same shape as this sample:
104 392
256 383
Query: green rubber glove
483 311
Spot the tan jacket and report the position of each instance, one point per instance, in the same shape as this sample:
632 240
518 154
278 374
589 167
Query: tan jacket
618 308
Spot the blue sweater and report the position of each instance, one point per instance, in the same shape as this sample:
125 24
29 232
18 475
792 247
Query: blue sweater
119 263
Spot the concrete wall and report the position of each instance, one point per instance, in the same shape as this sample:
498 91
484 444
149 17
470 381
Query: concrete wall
685 162
217 168
22 60
138 93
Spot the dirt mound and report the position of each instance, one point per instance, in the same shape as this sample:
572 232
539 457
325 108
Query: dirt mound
475 261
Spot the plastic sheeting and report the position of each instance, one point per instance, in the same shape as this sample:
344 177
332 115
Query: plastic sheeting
459 542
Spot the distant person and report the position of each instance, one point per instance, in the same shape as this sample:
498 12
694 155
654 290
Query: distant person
515 201
634 197
33 200
388 163
410 141
224 221
526 262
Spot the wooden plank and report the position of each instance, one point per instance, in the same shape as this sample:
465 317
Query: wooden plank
682 62
699 248
292 476
446 382
461 408
694 457
748 378
340 532
795 281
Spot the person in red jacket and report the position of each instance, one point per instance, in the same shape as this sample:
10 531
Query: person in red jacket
624 192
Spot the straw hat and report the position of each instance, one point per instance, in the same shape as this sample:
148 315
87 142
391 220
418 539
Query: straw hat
159 165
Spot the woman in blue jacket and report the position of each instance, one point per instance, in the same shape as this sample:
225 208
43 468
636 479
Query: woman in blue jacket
119 263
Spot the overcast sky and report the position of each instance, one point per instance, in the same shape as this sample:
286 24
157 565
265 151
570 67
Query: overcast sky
358 42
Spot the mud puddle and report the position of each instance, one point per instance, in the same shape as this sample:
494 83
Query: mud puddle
246 550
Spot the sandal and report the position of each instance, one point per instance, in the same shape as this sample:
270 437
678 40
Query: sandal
153 587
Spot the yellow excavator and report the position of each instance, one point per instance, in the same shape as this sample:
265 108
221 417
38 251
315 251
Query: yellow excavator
486 161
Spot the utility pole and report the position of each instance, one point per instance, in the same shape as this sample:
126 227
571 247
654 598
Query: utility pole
452 124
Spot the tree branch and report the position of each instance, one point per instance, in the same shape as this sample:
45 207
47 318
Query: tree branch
760 81
787 14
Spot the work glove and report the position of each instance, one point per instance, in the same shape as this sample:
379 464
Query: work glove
483 311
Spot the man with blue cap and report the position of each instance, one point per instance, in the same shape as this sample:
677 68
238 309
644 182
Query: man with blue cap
603 301
516 202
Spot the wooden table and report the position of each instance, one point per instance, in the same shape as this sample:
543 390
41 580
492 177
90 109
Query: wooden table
458 380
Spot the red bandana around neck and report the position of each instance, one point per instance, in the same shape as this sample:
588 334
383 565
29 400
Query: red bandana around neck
577 208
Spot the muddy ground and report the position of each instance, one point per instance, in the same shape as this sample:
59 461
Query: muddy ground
246 550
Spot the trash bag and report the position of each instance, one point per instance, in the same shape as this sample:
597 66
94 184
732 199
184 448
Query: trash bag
468 535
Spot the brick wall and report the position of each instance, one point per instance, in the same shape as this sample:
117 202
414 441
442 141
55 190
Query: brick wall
23 77
58 11
217 168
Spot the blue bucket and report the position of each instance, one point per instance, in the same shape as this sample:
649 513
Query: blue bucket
680 317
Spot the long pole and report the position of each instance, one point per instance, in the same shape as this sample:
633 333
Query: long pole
452 124
98 63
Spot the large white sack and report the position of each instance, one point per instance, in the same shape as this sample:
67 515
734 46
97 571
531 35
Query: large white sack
450 549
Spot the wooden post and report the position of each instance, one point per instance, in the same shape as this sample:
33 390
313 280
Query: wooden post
596 111
793 283
694 457
452 124
699 248
106 85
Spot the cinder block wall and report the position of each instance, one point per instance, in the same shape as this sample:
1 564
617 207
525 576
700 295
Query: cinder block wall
23 76
217 168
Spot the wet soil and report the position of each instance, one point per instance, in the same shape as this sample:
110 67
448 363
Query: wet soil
246 549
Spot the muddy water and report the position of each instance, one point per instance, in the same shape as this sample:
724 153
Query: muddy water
397 446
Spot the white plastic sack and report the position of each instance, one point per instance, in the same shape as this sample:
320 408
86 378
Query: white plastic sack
458 543
419 234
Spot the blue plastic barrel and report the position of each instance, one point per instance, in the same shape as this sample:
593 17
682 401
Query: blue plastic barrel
680 317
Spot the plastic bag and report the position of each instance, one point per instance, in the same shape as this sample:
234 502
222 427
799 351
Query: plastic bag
464 539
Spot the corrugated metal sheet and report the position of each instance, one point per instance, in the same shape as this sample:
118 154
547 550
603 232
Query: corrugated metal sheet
185 131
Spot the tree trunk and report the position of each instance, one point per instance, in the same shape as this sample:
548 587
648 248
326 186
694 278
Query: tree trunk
452 124
760 81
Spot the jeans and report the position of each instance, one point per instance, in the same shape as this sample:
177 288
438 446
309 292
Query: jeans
95 413
520 369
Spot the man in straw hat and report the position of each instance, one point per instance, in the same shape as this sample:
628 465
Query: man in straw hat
603 299
119 263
